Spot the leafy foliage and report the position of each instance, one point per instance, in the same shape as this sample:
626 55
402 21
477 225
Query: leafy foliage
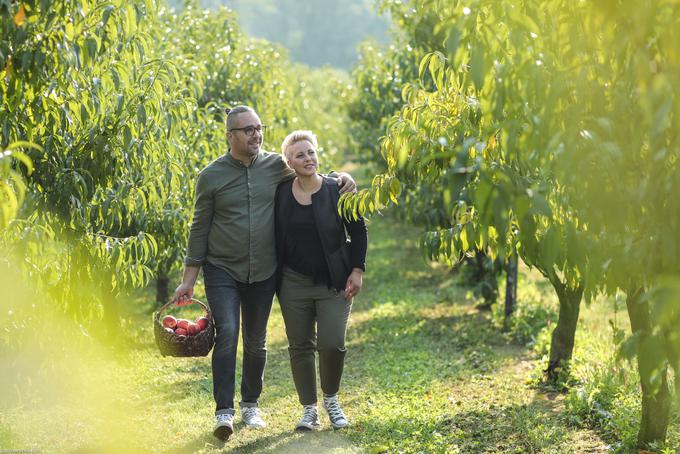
527 135
124 103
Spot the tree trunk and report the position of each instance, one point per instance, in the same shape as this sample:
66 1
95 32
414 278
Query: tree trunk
656 401
511 285
674 359
162 287
671 340
485 279
562 341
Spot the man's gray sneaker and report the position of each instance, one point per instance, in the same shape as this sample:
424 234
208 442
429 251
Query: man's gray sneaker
252 418
224 426
335 414
309 420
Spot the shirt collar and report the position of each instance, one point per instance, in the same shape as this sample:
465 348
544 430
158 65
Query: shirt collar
237 162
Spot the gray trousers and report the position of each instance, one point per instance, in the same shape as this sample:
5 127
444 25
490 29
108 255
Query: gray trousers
306 309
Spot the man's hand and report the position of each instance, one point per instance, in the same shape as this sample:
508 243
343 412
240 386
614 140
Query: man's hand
354 283
183 294
346 183
185 291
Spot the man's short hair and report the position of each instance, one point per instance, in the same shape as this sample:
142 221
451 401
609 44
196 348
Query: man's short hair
234 112
298 136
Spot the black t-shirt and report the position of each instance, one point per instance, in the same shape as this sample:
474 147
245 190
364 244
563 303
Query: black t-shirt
303 250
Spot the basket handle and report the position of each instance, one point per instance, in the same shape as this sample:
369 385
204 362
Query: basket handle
193 300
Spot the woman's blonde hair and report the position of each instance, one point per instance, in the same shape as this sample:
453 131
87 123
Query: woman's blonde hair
298 136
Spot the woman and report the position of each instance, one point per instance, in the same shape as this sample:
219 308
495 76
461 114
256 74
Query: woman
319 274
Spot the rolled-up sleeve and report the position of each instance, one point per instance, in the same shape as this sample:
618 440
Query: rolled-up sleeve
197 248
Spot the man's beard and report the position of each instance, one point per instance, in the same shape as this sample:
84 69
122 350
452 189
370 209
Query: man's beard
254 148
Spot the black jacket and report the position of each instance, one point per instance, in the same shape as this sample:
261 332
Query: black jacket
331 228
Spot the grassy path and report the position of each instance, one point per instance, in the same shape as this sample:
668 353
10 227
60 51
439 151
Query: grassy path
425 372
431 373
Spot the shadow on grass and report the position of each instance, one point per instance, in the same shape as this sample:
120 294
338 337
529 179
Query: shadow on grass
204 441
503 428
178 389
326 441
413 350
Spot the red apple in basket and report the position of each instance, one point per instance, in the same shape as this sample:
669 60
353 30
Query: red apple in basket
202 323
181 332
169 322
170 330
183 323
193 329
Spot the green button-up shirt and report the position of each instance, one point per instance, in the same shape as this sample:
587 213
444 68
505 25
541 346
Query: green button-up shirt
233 225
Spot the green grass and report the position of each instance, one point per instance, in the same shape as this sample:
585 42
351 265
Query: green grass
425 372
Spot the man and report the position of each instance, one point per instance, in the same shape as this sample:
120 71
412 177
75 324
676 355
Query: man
232 238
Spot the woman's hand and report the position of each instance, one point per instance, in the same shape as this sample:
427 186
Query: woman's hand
354 283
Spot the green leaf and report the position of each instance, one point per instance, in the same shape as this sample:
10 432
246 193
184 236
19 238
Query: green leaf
424 64
464 240
395 190
523 20
550 246
141 115
540 205
69 31
477 66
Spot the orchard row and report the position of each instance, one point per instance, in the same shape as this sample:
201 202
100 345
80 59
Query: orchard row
108 111
542 131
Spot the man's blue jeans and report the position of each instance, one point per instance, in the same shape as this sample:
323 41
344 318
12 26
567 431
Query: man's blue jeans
228 301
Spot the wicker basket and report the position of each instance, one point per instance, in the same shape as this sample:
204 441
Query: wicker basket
171 344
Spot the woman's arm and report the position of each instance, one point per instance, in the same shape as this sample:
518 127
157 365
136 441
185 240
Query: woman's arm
357 251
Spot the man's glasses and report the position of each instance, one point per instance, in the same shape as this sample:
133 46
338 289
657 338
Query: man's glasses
250 130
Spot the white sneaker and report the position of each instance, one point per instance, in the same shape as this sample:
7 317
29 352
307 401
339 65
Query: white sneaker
252 418
335 414
309 420
224 426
